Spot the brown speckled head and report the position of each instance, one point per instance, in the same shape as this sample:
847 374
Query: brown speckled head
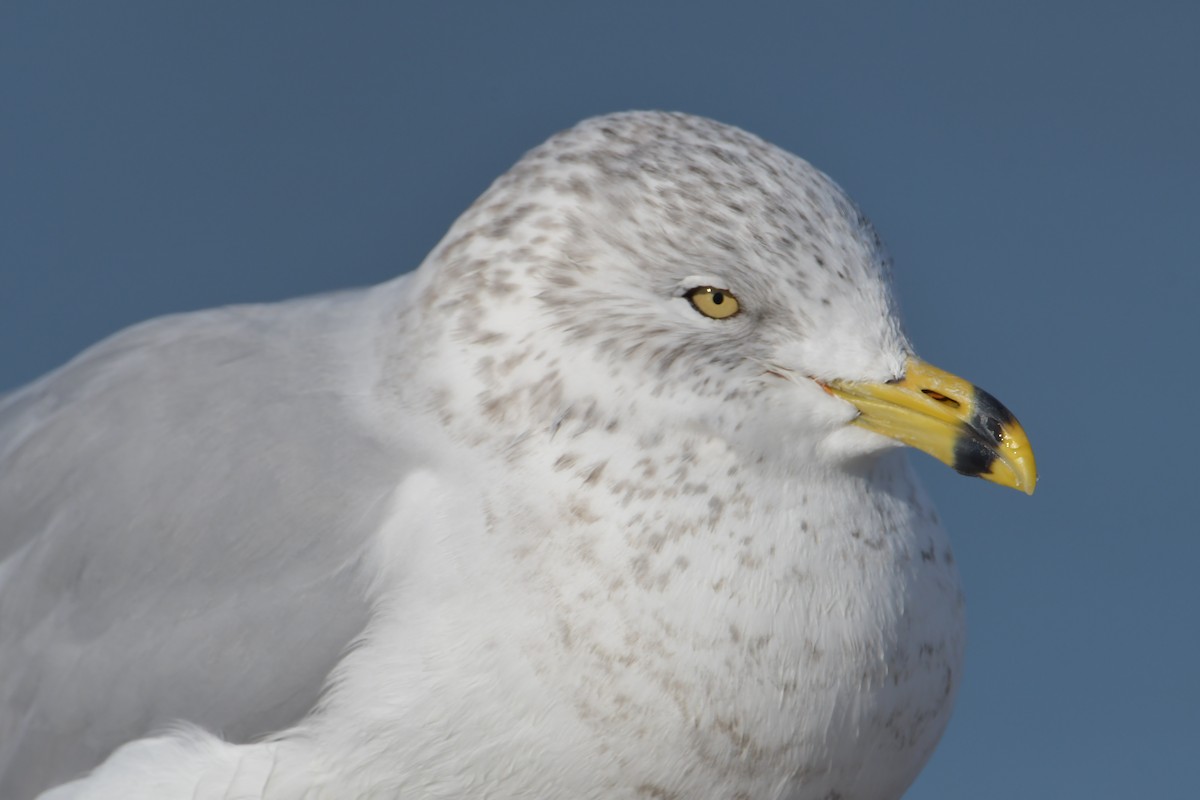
589 246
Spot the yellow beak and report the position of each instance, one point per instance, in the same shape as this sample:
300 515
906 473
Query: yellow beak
954 421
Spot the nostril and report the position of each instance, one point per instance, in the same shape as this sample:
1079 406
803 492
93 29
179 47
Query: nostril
941 398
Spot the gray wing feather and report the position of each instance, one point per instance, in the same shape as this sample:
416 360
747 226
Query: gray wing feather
183 510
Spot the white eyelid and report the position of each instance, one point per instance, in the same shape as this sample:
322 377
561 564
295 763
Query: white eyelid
692 281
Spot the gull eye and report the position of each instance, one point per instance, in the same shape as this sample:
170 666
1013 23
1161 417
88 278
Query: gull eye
713 302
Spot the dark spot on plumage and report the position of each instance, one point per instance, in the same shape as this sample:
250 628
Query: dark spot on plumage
748 560
593 475
580 187
512 362
564 633
494 408
486 338
722 243
721 154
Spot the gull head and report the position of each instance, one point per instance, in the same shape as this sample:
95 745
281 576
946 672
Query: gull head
664 271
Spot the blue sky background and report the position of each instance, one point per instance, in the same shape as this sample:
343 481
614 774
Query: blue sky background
1033 166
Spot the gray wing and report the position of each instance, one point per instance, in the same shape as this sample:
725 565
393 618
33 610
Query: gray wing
183 510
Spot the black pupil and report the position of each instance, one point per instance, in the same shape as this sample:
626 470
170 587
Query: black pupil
718 298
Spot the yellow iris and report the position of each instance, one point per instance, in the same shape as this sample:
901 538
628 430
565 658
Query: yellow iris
713 302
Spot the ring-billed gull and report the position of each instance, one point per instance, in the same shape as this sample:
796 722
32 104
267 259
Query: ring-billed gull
602 501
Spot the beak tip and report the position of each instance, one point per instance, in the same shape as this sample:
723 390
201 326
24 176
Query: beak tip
1024 475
